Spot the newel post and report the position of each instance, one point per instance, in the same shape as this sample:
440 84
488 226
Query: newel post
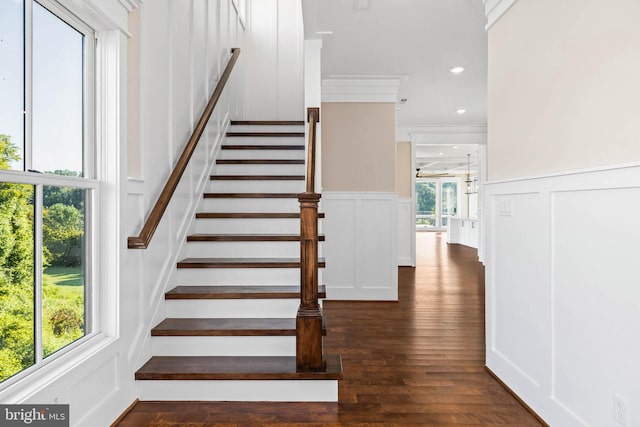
309 356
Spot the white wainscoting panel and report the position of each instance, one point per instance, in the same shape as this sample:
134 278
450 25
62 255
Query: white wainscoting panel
406 233
563 292
361 245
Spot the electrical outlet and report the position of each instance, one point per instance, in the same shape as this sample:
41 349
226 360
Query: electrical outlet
620 410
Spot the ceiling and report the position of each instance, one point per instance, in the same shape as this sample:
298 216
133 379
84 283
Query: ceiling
418 42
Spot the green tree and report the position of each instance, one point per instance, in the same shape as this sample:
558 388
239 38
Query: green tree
426 197
63 229
16 269
8 152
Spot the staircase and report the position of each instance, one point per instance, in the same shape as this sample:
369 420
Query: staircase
230 326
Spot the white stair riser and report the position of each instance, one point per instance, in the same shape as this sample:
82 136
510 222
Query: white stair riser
223 346
247 225
264 140
244 249
266 128
238 276
261 154
248 390
289 205
258 169
254 186
233 308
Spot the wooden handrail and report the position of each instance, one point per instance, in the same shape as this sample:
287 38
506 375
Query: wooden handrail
313 117
309 354
153 220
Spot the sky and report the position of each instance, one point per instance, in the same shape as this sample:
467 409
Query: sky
57 86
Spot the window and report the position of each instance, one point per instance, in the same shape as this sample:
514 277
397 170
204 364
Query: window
48 189
437 200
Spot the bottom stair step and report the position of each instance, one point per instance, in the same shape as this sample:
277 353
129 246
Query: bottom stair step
234 368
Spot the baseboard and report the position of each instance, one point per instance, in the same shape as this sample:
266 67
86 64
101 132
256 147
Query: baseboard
511 392
125 413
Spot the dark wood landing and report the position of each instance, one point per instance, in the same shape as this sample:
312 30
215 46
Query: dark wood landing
262 147
257 177
239 292
232 327
250 195
259 162
234 368
267 134
250 215
267 123
243 263
246 238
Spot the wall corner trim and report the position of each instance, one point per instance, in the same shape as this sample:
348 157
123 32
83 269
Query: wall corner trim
494 9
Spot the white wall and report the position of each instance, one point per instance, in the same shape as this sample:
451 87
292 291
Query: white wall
361 245
562 294
183 48
274 57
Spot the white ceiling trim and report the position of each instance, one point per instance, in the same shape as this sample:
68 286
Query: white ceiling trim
362 88
494 9
443 134
130 4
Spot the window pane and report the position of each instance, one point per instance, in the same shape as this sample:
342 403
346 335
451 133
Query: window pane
17 307
12 83
57 95
426 203
449 201
64 267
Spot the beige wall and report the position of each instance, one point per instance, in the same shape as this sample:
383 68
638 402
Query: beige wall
358 146
404 171
564 87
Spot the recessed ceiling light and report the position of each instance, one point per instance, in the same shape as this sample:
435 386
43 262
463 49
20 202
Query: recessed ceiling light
440 154
361 4
461 111
457 70
455 147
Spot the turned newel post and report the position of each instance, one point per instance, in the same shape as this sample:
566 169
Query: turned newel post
309 319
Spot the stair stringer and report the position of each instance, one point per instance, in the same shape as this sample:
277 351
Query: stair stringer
141 348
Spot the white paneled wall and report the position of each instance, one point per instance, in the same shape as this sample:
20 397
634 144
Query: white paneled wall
406 232
563 293
274 68
361 245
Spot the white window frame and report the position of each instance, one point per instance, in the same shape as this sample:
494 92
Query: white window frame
93 223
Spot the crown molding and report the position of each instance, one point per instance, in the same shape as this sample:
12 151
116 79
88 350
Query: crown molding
361 88
130 5
494 9
443 134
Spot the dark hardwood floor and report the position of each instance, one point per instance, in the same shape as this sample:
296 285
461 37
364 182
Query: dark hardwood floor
419 361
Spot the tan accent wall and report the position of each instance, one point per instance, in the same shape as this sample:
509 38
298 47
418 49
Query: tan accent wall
563 87
358 146
404 171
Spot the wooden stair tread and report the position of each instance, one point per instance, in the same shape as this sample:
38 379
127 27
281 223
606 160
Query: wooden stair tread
250 215
266 134
262 147
246 238
260 162
243 263
257 177
239 292
267 122
234 368
251 195
219 327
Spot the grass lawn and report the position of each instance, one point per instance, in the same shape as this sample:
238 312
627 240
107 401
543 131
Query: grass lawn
65 277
